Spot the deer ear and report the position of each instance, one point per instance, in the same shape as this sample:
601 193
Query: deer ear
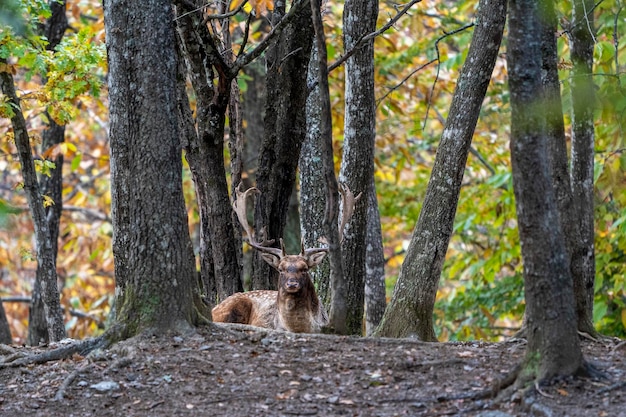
271 259
315 259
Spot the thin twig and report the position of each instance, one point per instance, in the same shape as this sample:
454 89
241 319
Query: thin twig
372 35
68 381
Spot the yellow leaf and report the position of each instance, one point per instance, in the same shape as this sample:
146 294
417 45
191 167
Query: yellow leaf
47 201
234 4
624 317
562 392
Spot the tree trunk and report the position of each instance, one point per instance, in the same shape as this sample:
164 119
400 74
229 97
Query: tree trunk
5 330
52 186
253 105
357 166
559 164
410 312
553 345
583 104
375 294
285 129
46 265
156 285
312 182
338 306
205 155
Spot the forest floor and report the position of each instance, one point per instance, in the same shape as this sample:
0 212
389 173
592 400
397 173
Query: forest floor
225 372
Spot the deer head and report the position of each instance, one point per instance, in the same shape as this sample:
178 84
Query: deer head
292 268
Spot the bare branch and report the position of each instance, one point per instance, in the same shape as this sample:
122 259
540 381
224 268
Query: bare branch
245 59
372 35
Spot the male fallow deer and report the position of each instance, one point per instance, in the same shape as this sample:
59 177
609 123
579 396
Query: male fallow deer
295 307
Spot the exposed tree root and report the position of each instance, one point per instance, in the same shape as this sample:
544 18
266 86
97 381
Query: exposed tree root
67 349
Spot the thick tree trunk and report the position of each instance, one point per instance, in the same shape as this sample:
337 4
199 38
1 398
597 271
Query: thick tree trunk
156 285
583 138
46 258
357 165
219 261
553 345
410 312
285 129
375 294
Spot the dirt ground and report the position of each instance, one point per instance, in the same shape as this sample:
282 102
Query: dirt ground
226 372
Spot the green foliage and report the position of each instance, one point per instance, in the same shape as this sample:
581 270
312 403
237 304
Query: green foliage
71 71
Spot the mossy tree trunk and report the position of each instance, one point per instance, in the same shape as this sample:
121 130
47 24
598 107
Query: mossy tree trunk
156 285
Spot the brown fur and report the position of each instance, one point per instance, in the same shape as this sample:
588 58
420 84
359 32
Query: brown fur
295 307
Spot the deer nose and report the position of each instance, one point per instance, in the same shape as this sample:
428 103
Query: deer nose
292 284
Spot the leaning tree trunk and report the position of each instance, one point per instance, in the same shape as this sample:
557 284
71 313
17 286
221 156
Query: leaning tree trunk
285 129
553 344
410 312
46 265
357 165
156 286
583 99
52 186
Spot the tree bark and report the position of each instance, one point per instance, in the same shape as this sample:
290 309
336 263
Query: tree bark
52 186
583 138
46 265
375 292
338 306
5 329
313 182
156 285
285 129
219 260
410 312
553 345
559 164
357 166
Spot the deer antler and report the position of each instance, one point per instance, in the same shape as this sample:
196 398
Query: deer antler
348 201
239 205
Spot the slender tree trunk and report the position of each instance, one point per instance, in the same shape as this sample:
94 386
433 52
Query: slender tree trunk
410 312
285 130
357 166
338 306
219 261
46 266
253 104
375 294
52 186
313 183
156 285
553 345
583 99
558 156
5 330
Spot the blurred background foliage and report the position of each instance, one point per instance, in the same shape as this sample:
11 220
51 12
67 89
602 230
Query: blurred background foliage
417 63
